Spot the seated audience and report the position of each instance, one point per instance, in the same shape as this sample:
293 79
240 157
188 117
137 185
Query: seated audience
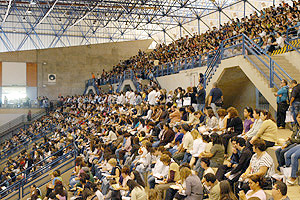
211 182
256 184
279 191
267 131
234 126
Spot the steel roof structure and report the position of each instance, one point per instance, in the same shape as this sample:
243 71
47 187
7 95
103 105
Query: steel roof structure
38 24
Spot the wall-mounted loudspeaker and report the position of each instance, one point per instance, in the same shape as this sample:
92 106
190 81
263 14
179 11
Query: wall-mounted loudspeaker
52 78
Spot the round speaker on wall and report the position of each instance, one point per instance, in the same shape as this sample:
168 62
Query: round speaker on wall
51 78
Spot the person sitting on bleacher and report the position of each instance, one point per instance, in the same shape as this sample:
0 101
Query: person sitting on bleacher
137 191
291 142
216 154
172 177
235 170
255 127
229 163
292 157
279 191
261 164
256 184
234 126
268 129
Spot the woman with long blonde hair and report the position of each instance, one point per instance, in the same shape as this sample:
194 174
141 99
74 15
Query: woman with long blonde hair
191 187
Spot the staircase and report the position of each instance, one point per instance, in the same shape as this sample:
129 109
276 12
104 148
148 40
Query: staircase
263 71
129 75
289 67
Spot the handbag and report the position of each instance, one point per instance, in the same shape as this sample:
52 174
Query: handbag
286 171
289 116
187 101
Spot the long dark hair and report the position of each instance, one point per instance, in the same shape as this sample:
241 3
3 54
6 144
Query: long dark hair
132 184
268 114
216 138
138 178
226 191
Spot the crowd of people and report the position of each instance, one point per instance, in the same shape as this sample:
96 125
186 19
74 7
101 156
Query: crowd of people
269 26
154 145
158 145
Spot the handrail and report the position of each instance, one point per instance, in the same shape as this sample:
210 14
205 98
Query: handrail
212 64
30 142
21 119
24 145
289 28
36 164
273 65
31 177
23 142
289 44
91 82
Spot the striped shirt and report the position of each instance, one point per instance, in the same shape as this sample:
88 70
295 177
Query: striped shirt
264 161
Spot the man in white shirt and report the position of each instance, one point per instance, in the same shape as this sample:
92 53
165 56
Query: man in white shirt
160 171
279 40
131 97
127 96
151 97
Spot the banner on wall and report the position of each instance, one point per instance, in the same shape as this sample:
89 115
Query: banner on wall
13 74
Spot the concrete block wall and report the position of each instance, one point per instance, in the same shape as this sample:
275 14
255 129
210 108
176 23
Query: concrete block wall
74 65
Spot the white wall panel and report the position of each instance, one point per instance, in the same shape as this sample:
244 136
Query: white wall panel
13 73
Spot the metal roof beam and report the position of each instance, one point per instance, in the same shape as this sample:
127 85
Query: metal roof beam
7 12
49 11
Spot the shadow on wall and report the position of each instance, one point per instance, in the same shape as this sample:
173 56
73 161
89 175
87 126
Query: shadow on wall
238 90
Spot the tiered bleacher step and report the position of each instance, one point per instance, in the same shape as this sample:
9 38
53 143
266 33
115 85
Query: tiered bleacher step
295 43
13 153
40 177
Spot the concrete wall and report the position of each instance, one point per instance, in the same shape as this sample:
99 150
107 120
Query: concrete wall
184 79
238 90
73 65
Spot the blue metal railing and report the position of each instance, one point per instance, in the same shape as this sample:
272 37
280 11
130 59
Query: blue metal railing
27 171
275 70
27 144
237 45
24 144
19 188
295 34
214 59
129 74
91 82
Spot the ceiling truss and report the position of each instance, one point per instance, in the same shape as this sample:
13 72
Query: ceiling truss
96 19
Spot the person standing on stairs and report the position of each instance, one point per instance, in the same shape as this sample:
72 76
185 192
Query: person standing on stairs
295 99
282 103
215 99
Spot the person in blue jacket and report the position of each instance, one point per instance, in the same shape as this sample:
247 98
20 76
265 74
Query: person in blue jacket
282 103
